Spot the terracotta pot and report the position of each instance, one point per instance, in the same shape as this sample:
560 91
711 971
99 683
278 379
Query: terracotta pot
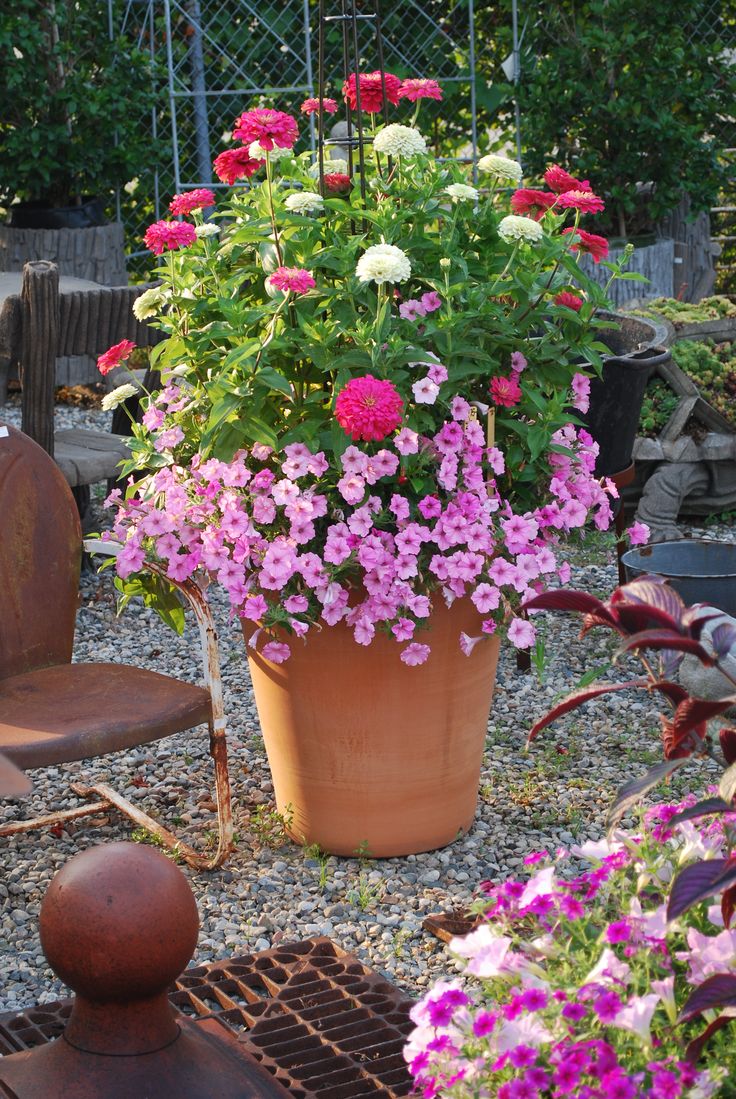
368 754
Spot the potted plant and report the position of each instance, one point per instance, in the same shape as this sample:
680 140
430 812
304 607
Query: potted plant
367 437
598 90
70 91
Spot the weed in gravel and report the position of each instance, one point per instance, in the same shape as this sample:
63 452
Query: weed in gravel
365 892
315 853
269 827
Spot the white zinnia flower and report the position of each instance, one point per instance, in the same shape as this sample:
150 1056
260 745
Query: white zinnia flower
513 228
131 186
501 167
257 152
209 229
459 192
148 304
398 140
333 166
383 263
117 396
304 202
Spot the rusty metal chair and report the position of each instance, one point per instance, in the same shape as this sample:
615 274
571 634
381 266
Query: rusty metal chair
53 711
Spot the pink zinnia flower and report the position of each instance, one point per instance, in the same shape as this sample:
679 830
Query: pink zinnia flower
267 127
415 653
371 87
505 391
312 106
527 202
572 301
292 279
589 243
114 356
168 234
368 408
560 181
638 534
198 199
585 201
337 183
235 164
417 88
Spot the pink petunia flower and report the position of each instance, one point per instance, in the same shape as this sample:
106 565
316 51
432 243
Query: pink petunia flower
588 243
505 392
518 362
560 181
638 534
407 441
276 651
581 392
417 88
371 87
293 280
585 201
368 408
312 106
425 391
168 234
267 127
114 356
431 301
410 310
572 301
234 164
521 633
415 654
198 199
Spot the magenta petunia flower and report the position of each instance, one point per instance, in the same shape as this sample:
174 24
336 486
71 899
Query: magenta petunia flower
431 301
292 279
418 88
114 356
638 534
505 392
235 164
585 201
368 408
589 243
312 106
169 234
198 199
371 87
267 127
558 180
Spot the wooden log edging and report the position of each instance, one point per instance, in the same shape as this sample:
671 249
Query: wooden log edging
39 299
96 254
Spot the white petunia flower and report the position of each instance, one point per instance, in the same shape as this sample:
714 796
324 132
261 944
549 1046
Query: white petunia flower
501 167
515 229
117 396
304 202
333 166
207 230
398 140
383 263
148 304
257 152
425 391
460 192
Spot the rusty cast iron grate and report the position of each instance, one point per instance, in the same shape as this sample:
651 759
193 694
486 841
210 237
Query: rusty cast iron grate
320 1021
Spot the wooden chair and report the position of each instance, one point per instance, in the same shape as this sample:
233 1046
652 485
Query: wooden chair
53 711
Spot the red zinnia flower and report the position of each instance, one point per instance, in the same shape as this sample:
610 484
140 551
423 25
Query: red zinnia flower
311 106
198 199
267 127
235 164
558 180
505 392
371 91
589 243
530 203
337 183
368 408
572 301
585 201
114 356
415 89
169 234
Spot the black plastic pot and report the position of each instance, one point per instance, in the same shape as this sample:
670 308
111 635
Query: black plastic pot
701 571
616 397
39 215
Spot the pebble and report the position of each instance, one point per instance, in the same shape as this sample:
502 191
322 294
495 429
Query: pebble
554 794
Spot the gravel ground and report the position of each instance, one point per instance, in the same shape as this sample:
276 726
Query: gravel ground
270 889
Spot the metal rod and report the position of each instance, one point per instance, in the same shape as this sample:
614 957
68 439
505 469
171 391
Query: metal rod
51 820
321 95
381 66
356 53
199 99
172 98
517 74
473 118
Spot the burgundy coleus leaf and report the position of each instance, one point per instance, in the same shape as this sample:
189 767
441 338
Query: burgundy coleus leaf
706 808
578 698
698 881
727 738
666 639
696 618
673 691
651 591
635 617
716 991
723 639
692 712
561 600
695 1048
728 904
674 747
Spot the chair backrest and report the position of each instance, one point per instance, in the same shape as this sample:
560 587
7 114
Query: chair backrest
40 556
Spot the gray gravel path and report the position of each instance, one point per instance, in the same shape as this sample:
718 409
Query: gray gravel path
271 890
